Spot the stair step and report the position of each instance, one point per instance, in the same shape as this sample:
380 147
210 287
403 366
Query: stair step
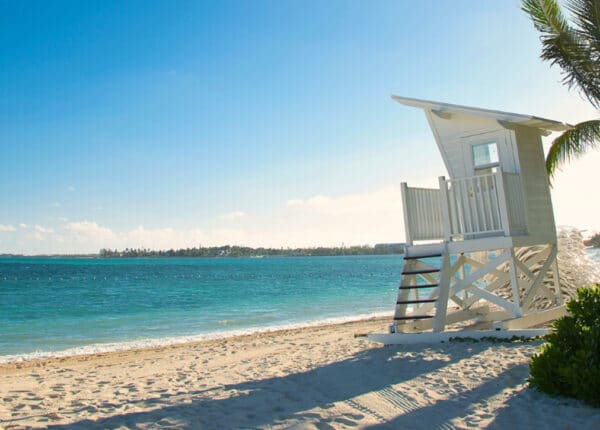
410 302
418 257
420 271
413 317
410 287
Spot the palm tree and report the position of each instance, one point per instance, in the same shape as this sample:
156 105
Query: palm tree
575 47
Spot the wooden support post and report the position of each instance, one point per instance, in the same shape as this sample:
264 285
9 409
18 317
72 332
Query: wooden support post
404 193
502 202
538 282
441 305
445 204
514 282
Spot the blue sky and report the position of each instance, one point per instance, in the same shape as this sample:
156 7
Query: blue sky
263 123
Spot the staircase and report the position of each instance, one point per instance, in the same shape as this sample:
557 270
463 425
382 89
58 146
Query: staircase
420 287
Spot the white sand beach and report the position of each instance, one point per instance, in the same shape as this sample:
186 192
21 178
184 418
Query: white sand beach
313 378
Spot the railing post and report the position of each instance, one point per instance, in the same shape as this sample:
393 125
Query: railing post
445 205
502 202
404 192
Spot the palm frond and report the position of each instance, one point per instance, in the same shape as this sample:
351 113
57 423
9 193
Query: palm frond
572 144
586 15
572 49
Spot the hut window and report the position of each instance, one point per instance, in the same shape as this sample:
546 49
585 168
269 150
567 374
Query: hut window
485 155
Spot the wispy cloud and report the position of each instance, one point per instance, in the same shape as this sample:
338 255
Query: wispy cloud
70 188
41 233
6 228
295 202
231 216
42 229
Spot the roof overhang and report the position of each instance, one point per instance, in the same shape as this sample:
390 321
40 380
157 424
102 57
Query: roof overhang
445 110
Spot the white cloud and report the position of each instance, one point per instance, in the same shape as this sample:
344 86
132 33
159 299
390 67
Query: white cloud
295 202
41 229
22 225
356 218
89 229
232 216
89 237
6 228
41 233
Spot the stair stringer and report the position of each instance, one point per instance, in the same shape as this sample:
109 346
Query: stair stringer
441 305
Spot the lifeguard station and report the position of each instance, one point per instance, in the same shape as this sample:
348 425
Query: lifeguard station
481 246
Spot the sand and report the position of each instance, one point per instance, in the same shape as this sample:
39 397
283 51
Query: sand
313 378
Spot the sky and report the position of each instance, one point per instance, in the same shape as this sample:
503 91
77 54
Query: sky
264 123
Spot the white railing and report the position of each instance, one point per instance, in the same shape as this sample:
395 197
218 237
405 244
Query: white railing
422 213
465 208
474 205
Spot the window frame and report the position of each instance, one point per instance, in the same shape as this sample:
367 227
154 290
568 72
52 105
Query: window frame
485 165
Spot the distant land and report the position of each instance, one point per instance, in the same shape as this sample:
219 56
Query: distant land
245 251
232 251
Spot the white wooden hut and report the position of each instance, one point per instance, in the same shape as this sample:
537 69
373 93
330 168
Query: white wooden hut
465 239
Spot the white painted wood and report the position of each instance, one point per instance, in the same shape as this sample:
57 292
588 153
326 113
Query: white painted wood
405 210
451 318
475 206
537 283
441 305
500 206
445 207
526 120
502 203
536 190
514 283
429 338
532 320
515 203
423 213
497 300
421 250
480 244
479 273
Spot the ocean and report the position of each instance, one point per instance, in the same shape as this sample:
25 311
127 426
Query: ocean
65 306
53 307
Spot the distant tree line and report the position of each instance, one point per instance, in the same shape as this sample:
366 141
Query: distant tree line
245 251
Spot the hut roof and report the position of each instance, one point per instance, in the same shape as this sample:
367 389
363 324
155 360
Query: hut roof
448 109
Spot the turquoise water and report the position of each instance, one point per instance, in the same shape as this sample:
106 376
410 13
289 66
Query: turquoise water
58 304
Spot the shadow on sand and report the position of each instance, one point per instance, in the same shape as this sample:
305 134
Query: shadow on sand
287 400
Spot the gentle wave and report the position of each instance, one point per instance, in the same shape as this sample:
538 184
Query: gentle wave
179 340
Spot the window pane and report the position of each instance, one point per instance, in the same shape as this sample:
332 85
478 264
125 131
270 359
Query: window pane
485 153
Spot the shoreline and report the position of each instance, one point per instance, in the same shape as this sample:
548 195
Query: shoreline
101 349
310 378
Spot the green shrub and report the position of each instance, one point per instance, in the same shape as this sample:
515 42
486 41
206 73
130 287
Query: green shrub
569 362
